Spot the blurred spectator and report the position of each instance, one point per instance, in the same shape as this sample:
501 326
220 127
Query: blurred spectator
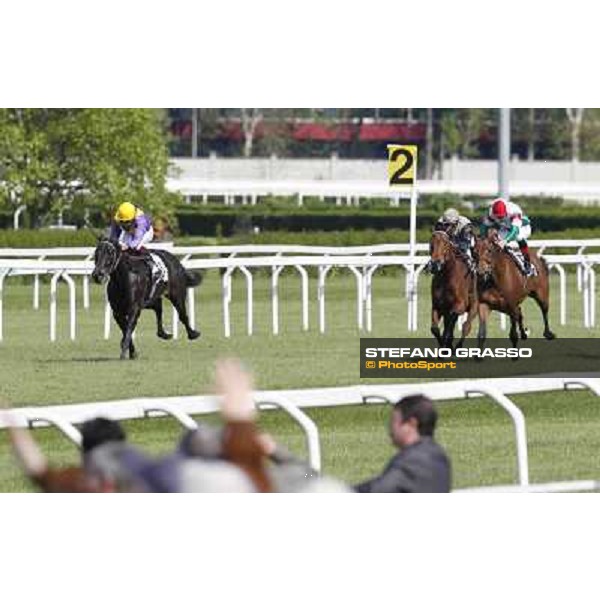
421 465
162 231
287 472
109 464
241 443
36 468
107 455
232 457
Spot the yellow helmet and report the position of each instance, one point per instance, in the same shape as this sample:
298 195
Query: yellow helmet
125 212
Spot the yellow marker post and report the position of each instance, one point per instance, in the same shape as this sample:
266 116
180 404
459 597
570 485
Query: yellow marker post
402 172
402 165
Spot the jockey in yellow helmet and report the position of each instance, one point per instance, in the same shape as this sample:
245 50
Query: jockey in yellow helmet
133 230
131 227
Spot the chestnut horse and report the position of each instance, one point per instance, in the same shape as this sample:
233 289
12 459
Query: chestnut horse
501 286
453 290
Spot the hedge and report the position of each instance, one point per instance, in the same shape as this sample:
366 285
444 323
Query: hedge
67 239
276 218
45 238
235 222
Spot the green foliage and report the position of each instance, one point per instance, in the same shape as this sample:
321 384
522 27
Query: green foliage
57 159
461 130
371 237
46 238
279 215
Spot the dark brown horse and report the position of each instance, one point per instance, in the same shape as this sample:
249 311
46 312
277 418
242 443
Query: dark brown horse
453 290
130 290
501 286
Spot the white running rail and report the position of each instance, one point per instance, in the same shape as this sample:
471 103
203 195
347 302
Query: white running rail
64 417
363 261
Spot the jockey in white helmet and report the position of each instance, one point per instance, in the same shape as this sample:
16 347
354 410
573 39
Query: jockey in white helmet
460 231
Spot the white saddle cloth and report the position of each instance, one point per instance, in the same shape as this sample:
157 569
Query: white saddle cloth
160 267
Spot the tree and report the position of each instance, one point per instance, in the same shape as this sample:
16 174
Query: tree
590 135
251 117
207 128
461 129
531 135
429 145
552 134
575 116
277 131
56 159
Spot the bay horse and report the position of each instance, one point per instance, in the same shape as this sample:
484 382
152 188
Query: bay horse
129 277
503 287
453 289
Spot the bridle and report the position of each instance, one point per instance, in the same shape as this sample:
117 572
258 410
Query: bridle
115 256
491 248
449 246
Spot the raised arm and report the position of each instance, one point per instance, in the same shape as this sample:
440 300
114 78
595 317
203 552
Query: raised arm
242 444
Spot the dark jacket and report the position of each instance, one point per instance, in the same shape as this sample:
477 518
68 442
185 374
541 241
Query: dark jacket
423 467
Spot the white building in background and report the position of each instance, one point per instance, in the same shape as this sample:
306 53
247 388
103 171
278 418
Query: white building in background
348 180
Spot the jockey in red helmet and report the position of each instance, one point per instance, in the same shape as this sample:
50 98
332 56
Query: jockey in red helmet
512 226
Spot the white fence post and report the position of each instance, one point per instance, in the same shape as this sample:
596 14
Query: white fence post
53 298
226 299
72 305
563 291
107 315
3 275
518 421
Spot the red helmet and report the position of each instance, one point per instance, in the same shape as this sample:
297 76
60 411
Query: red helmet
499 208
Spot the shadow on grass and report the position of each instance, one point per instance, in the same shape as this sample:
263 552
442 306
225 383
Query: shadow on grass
96 359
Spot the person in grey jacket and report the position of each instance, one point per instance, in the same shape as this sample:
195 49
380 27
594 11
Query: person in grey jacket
421 465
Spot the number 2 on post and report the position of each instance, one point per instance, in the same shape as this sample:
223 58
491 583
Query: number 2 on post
402 161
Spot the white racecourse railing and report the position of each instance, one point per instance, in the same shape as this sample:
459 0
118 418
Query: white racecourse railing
363 262
65 417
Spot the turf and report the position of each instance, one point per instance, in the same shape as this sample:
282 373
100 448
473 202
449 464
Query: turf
478 435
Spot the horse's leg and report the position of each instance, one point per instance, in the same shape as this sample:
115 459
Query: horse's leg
122 323
513 334
178 301
132 351
435 324
522 329
484 312
157 307
449 325
543 303
467 325
127 342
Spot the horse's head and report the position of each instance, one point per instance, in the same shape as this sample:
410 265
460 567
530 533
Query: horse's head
106 259
440 249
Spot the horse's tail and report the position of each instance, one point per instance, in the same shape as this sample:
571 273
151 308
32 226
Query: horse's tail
193 279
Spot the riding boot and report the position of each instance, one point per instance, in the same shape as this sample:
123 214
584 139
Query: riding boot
526 260
468 259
